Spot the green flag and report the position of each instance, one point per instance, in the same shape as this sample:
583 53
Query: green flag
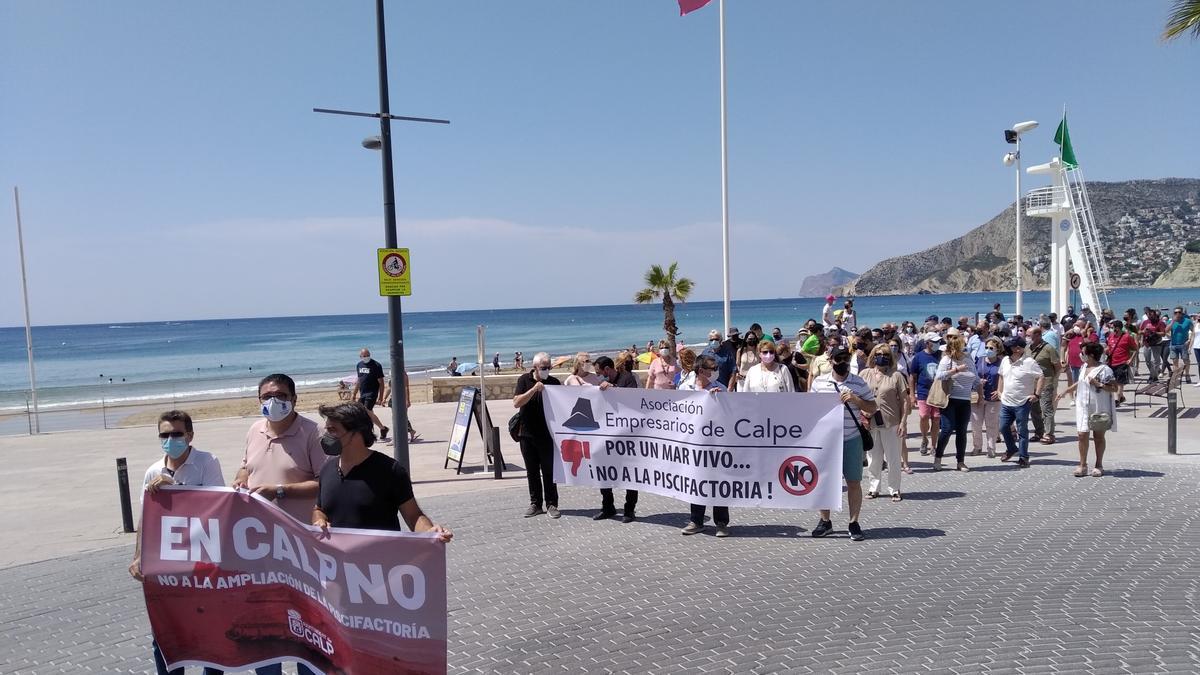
1063 139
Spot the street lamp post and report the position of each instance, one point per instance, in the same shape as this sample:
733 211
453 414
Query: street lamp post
1013 135
395 313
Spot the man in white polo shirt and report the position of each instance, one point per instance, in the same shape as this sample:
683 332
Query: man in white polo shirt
181 464
1020 384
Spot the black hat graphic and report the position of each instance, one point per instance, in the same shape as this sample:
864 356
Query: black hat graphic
581 417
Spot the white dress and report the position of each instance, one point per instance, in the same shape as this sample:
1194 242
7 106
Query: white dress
1090 400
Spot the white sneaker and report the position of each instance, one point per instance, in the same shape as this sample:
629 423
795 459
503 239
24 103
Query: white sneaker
1196 385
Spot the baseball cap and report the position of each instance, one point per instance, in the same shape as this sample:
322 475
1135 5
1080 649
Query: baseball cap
952 331
830 298
840 351
931 337
714 334
1017 341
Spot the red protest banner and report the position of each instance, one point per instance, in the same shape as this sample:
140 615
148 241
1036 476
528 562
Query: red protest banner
233 582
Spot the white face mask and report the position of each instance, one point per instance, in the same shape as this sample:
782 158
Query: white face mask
541 373
276 410
664 353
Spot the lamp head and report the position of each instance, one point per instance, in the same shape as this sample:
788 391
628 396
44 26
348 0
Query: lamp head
1022 127
372 143
1009 158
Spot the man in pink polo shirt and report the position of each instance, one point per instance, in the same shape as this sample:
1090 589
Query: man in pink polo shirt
283 451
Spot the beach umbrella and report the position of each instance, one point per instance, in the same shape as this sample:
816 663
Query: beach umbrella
558 361
645 357
465 368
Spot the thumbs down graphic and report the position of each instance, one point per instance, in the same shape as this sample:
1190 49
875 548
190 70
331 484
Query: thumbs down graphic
574 452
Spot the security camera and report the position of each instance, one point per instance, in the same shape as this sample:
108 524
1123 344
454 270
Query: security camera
1009 158
1022 127
372 143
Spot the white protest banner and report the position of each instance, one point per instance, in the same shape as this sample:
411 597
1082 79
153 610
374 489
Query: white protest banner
765 450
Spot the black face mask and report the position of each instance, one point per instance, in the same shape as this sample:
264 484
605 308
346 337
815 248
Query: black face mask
332 445
841 368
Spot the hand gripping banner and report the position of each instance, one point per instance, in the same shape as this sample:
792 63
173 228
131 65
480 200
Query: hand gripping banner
764 450
233 582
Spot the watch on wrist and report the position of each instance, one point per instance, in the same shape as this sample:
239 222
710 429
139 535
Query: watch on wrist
279 492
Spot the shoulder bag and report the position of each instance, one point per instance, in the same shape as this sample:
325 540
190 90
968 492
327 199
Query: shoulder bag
1097 421
939 394
867 441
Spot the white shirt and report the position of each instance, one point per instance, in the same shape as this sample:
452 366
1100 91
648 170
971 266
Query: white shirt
1020 379
761 379
827 314
199 469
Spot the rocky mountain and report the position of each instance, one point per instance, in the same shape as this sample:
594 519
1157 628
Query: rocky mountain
819 285
1144 226
1186 273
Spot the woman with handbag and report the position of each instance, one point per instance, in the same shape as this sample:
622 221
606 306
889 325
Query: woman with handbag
891 394
1095 414
958 370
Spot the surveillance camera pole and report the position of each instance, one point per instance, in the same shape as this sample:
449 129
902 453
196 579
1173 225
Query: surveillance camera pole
395 314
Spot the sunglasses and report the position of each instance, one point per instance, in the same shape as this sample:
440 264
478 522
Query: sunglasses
171 434
281 396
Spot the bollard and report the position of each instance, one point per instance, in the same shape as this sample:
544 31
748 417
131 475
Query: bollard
1172 410
123 491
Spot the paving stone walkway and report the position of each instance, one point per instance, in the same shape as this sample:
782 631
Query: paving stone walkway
996 571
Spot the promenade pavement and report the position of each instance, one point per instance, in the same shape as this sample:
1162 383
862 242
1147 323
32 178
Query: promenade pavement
998 570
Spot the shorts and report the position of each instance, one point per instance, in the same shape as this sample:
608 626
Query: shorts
1121 373
1180 352
924 410
368 400
852 457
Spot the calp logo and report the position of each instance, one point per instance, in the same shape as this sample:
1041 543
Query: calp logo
308 632
581 419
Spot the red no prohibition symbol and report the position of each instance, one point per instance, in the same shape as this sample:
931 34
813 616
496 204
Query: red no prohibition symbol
798 475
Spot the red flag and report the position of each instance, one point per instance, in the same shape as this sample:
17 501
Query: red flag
686 6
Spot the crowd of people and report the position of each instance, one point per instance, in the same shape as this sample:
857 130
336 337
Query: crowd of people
980 383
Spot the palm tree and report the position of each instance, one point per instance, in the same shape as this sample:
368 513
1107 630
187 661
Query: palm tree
1185 18
665 284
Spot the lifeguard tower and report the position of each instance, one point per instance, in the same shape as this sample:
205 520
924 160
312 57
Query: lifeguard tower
1076 255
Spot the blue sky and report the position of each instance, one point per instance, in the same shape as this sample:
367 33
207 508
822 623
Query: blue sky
171 167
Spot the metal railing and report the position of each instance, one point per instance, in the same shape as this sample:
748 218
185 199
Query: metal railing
1047 198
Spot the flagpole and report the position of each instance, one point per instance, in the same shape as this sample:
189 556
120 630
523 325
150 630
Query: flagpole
37 427
724 182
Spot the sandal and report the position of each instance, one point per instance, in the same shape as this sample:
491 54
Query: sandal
1097 472
896 497
872 495
908 470
1080 472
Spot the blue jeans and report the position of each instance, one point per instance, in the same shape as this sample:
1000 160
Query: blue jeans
160 664
1019 414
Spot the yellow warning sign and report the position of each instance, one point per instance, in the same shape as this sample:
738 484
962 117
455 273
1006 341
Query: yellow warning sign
394 270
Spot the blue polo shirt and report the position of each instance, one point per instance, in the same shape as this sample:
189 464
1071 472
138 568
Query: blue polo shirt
924 366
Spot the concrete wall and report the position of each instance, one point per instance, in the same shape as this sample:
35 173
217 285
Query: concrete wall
498 386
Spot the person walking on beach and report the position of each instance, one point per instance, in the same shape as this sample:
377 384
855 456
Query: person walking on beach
496 363
857 399
985 411
705 380
537 446
362 488
849 318
282 454
1021 382
1093 400
611 376
369 386
960 370
890 387
1180 330
181 464
827 311
1047 359
921 373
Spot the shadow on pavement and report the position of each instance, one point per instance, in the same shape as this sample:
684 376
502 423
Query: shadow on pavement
901 532
931 496
1133 473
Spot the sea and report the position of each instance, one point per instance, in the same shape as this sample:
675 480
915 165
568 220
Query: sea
86 366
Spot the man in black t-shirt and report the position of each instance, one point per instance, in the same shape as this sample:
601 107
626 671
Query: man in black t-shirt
537 446
362 488
611 377
368 386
